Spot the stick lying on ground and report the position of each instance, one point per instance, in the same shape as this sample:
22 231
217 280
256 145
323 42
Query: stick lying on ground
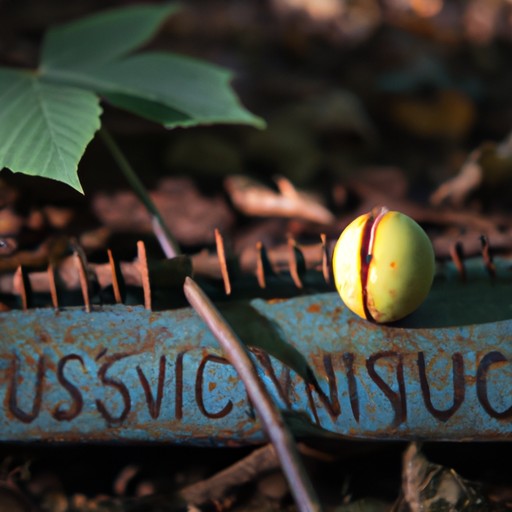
269 414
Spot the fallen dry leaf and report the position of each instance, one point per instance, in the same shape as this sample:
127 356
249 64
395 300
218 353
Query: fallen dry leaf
255 199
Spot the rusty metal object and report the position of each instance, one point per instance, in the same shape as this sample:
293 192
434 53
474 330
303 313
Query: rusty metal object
128 373
293 264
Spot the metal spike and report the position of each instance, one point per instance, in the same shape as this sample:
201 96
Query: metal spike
326 268
25 287
117 278
487 257
53 285
457 255
293 255
221 253
81 267
144 273
260 270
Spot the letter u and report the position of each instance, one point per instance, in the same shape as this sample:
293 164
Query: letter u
459 387
12 394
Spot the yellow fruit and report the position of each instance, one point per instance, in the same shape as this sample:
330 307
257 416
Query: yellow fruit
383 265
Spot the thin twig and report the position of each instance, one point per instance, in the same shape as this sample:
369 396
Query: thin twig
270 416
164 236
215 488
258 462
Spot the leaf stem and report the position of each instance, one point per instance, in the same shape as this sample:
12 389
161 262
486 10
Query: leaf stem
164 236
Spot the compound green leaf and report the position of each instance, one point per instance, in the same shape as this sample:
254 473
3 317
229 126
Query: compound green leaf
147 109
198 90
102 37
44 128
48 117
190 92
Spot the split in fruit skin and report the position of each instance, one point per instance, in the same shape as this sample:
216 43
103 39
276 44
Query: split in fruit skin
383 265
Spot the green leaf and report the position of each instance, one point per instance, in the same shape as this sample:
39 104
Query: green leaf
48 118
102 37
151 110
44 128
197 92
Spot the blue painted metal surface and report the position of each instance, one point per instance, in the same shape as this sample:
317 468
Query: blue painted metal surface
126 374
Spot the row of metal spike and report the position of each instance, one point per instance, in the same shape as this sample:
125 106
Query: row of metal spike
264 269
457 256
295 266
81 267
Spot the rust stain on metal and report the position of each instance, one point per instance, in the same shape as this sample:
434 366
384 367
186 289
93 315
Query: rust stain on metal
133 374
127 373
